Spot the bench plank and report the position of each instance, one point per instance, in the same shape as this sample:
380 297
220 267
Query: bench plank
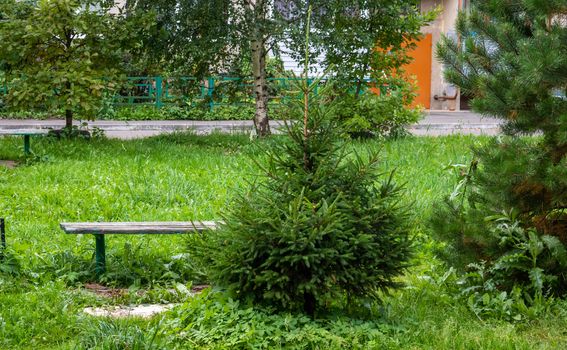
172 227
23 132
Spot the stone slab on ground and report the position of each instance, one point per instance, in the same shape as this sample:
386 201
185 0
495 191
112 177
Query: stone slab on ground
10 164
123 311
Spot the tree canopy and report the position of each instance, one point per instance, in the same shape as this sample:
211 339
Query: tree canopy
61 55
222 37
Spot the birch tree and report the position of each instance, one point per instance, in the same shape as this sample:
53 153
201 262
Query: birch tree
203 38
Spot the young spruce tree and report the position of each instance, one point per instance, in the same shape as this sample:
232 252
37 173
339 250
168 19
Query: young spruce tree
316 227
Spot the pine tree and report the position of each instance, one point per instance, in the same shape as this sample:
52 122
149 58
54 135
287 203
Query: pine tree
511 57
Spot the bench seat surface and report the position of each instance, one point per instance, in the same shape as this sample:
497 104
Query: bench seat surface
101 228
19 132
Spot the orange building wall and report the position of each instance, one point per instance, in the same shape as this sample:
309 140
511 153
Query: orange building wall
420 71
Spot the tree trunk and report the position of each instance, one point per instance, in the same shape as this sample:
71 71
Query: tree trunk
68 119
309 304
68 111
261 121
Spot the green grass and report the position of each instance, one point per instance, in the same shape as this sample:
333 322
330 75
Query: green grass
186 177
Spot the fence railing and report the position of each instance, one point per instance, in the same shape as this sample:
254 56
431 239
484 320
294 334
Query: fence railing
161 91
212 91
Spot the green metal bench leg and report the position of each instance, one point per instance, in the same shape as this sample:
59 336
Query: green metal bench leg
100 257
27 144
2 239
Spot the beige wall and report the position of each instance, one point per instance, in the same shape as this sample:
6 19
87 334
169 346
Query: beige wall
118 4
444 24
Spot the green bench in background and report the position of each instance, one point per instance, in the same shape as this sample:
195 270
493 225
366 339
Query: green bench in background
101 229
26 133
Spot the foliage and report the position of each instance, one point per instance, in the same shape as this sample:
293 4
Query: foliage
191 37
467 218
371 114
223 112
212 320
356 37
59 55
482 294
316 227
201 38
353 49
209 38
529 268
511 60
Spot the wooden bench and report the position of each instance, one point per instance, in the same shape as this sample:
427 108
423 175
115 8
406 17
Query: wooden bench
100 229
26 133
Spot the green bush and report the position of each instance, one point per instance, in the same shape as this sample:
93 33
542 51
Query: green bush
529 267
370 114
521 189
316 227
149 112
223 112
40 115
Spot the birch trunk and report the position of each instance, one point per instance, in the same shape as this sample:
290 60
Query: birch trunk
261 121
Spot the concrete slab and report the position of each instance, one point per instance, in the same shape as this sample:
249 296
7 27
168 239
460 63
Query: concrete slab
141 311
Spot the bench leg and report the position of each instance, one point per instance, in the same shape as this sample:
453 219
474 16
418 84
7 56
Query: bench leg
2 239
100 256
27 150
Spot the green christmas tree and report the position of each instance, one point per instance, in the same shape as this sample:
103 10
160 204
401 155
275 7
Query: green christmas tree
317 228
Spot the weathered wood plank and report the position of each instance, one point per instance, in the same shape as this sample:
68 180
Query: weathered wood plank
102 228
19 132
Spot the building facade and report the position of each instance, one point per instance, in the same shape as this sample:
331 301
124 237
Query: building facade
433 92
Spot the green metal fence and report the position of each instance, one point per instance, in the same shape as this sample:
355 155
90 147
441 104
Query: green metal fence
211 91
161 91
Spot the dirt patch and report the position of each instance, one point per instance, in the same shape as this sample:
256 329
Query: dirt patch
104 291
110 292
121 311
199 288
10 164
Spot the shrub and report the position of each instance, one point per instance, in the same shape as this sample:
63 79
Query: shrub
316 227
471 219
148 112
370 114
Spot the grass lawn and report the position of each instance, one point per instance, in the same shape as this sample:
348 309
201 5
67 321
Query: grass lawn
186 177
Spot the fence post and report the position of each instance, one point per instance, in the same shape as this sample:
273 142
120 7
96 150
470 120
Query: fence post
159 92
211 89
2 238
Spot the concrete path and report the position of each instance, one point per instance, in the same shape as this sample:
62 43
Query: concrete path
434 123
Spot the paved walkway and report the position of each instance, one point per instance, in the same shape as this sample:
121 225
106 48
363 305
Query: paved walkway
434 123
